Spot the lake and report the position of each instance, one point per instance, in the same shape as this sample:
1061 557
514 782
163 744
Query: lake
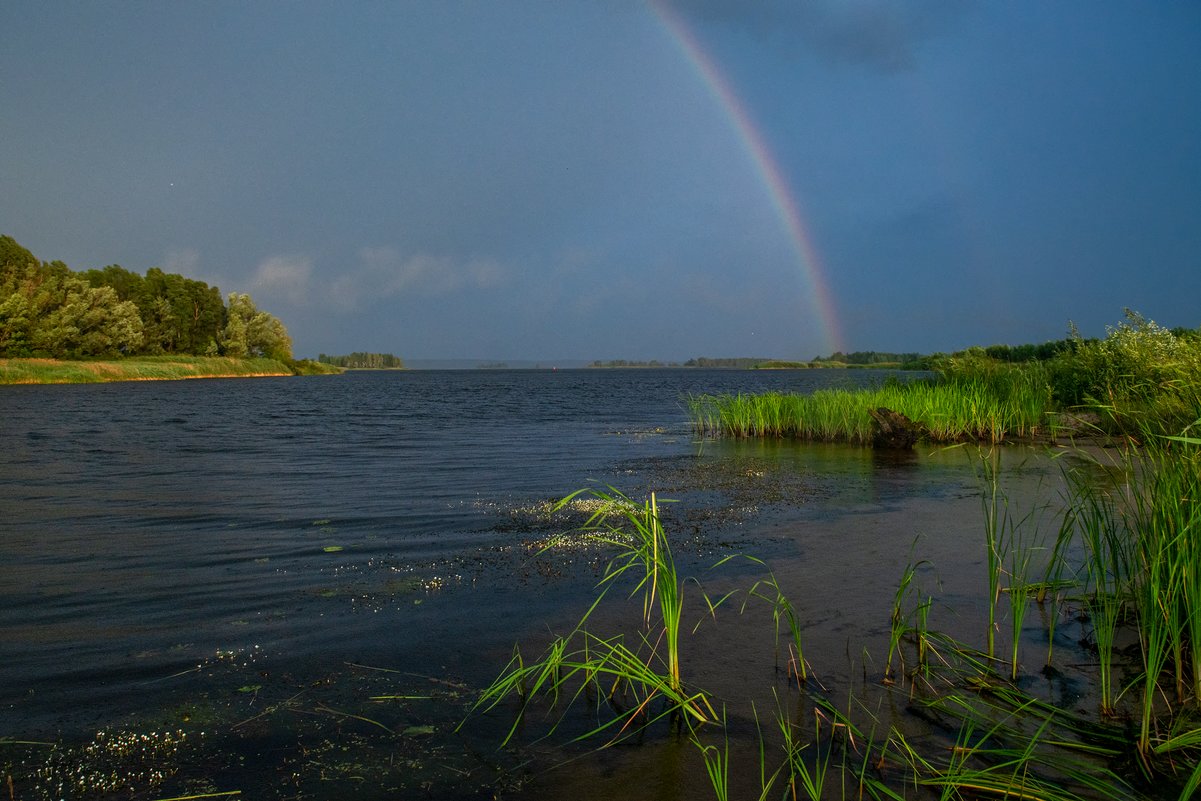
294 587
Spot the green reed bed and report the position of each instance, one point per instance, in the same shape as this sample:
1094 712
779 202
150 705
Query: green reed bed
947 411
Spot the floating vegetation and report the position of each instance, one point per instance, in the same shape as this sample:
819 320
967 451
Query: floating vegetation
261 730
113 762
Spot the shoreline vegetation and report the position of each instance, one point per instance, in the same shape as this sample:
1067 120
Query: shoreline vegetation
1121 564
1121 559
1140 381
363 361
49 311
151 368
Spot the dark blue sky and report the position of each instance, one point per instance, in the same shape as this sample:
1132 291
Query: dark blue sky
562 180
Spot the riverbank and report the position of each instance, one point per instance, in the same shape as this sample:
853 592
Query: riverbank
150 368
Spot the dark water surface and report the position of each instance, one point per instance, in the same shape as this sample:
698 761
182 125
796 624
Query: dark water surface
246 561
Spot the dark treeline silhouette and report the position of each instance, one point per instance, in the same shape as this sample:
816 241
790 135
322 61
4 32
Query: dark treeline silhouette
868 357
741 362
364 361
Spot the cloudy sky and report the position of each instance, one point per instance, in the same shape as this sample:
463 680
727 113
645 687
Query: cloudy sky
599 179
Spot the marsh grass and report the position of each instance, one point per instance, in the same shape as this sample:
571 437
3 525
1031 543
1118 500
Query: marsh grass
140 368
1127 550
899 622
957 410
783 613
640 684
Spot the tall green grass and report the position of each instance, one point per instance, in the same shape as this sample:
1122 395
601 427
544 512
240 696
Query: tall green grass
1140 380
976 408
639 678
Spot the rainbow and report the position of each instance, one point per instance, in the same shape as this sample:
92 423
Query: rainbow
782 199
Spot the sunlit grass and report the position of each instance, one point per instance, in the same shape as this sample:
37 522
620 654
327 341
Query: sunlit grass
947 411
140 368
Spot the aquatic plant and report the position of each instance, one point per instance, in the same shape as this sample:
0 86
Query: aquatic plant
628 679
948 411
1126 550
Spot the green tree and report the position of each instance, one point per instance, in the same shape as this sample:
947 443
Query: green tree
14 325
85 321
250 332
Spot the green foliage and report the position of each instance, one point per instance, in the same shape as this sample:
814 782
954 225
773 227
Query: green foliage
364 361
969 409
1141 378
250 332
741 363
868 357
46 310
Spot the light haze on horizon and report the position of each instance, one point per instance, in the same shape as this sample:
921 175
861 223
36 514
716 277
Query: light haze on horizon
566 181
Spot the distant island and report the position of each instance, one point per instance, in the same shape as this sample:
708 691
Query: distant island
363 361
908 361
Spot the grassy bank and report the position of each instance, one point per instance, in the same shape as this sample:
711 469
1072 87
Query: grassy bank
1141 380
947 411
148 368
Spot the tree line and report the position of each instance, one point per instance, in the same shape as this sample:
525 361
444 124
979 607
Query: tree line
363 361
48 310
868 357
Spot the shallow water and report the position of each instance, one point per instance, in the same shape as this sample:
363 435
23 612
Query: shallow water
248 562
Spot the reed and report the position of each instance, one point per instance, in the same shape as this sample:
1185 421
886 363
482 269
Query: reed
809 776
948 410
717 763
898 621
584 664
1107 563
996 525
783 611
1128 538
1018 593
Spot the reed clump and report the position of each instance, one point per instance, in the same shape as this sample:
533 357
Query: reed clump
1126 564
968 409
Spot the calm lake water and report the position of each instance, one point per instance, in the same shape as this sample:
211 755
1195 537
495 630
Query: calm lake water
246 562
